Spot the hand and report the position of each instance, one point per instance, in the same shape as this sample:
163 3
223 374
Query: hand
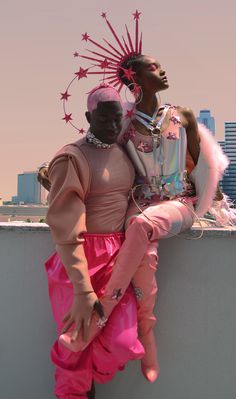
43 178
80 314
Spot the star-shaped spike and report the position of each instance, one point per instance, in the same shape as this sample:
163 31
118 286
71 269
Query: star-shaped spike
104 64
76 54
81 131
85 36
104 15
136 14
65 96
67 118
129 113
128 73
82 73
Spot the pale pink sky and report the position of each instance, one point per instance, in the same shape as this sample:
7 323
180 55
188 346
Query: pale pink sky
193 40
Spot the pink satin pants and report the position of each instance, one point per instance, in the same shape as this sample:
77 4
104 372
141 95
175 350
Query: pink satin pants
116 344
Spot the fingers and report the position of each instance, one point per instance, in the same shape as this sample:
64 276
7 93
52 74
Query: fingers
86 325
67 325
75 333
66 317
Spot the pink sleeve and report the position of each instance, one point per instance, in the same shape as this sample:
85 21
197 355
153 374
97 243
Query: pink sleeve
67 214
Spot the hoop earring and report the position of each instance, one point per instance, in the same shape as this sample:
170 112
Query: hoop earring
128 87
137 101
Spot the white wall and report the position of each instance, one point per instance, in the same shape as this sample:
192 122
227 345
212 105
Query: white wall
196 327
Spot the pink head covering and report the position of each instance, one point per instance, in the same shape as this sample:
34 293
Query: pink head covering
102 93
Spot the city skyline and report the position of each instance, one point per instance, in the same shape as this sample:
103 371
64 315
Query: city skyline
228 145
39 40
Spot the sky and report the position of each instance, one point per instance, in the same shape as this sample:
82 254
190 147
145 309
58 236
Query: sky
193 40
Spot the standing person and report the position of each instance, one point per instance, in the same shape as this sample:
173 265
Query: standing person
88 199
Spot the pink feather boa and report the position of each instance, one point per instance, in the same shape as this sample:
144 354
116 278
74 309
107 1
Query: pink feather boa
209 170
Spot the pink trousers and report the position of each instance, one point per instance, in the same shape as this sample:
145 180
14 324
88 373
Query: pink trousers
116 344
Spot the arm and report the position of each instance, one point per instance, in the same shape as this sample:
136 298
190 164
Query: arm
66 218
191 127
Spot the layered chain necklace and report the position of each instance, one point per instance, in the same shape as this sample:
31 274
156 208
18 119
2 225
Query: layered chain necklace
96 142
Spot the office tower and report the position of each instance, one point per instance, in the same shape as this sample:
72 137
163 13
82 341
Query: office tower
28 189
206 119
229 147
222 144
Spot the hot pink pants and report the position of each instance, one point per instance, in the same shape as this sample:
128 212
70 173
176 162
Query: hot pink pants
117 342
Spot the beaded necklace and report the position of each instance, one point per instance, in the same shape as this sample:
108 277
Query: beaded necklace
91 139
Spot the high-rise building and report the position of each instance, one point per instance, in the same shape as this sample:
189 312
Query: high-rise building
206 119
28 189
228 183
222 144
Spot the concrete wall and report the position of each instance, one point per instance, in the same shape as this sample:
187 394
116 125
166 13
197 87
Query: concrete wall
196 328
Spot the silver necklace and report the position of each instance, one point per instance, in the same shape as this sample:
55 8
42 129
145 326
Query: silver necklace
91 139
152 124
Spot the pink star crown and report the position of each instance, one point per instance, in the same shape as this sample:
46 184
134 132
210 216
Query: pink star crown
112 57
108 60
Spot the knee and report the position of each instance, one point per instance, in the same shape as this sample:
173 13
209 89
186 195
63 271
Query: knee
140 224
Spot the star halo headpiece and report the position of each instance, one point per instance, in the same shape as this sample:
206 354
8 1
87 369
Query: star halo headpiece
109 59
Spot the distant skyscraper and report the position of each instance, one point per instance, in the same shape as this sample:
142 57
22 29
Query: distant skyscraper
222 144
28 189
206 119
228 183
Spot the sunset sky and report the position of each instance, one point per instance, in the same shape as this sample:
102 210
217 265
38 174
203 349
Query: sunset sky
193 40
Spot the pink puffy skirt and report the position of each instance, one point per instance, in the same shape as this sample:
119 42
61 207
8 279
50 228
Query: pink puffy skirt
116 344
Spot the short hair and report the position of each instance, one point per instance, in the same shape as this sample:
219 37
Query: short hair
102 93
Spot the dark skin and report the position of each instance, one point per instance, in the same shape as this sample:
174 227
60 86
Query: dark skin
152 79
105 123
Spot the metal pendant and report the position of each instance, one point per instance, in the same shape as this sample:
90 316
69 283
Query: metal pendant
156 137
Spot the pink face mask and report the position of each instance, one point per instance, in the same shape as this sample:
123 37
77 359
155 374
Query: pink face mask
102 94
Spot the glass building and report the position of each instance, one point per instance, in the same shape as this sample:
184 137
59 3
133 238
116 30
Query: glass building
28 189
228 182
206 119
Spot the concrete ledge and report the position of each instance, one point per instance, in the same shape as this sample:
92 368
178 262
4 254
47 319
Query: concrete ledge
194 231
196 328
